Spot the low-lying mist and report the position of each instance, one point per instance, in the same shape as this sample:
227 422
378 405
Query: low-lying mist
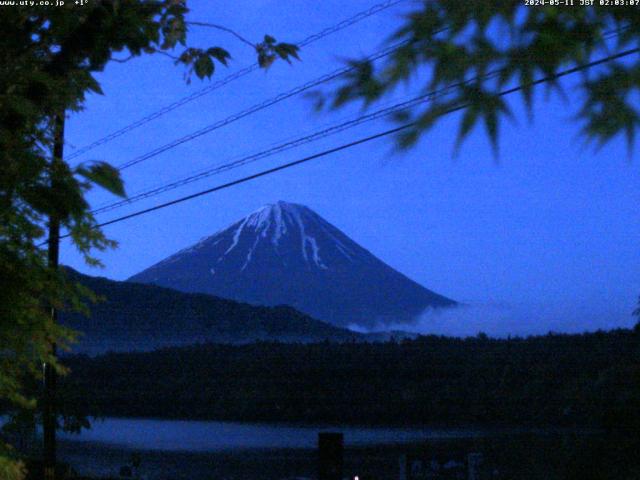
513 319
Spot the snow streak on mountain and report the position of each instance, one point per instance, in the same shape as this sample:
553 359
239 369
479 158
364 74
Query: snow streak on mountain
285 253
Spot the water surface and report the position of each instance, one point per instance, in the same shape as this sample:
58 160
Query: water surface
203 436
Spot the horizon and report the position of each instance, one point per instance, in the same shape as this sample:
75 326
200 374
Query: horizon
466 319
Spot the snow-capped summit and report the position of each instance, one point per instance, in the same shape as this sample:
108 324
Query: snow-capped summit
272 222
285 253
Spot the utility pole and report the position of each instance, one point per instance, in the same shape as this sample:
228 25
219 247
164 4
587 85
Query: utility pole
330 455
49 400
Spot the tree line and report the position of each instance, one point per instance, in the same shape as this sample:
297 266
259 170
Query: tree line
586 380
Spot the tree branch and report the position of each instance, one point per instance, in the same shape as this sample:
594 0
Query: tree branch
122 60
166 54
152 50
225 29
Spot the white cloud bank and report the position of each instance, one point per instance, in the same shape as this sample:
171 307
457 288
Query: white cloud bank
502 320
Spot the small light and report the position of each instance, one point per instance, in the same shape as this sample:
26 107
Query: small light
356 477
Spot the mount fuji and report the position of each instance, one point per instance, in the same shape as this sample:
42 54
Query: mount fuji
286 254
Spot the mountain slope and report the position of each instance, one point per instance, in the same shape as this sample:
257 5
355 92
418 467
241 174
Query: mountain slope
144 317
287 254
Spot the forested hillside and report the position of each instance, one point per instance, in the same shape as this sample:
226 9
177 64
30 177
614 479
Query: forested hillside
565 380
132 316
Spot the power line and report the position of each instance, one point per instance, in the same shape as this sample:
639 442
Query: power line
269 102
362 140
279 148
283 147
256 175
230 78
256 108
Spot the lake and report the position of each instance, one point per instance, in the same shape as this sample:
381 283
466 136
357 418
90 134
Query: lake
206 436
177 449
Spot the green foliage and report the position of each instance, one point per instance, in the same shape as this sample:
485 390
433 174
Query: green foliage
104 175
202 61
11 469
489 46
50 55
269 50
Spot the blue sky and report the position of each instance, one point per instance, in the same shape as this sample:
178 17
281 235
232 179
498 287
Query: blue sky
545 238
